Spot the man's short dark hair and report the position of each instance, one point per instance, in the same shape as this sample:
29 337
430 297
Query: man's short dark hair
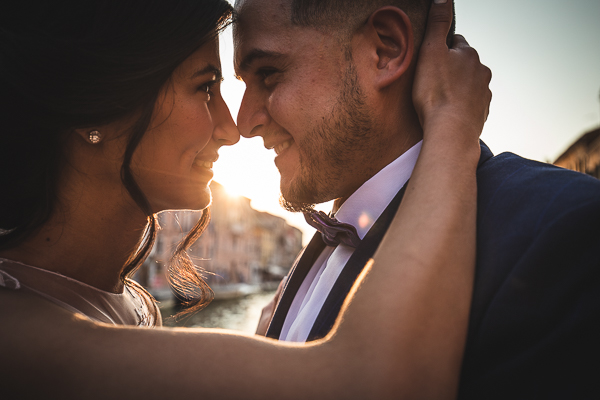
344 17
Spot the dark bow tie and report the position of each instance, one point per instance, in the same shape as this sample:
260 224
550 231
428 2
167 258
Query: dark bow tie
333 231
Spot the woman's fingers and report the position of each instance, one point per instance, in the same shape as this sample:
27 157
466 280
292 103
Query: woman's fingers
450 84
460 42
438 23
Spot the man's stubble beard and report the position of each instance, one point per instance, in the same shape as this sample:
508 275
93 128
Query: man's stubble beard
332 150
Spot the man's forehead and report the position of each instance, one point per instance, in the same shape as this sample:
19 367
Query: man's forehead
278 11
262 26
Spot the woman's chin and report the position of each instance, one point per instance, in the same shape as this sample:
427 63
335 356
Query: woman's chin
204 199
199 201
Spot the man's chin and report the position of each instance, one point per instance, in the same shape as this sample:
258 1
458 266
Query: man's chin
295 206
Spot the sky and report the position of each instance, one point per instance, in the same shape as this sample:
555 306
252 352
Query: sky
545 61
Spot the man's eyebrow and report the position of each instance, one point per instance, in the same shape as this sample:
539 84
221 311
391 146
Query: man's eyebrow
254 55
209 69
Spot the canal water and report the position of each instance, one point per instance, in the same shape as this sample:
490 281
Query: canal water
240 314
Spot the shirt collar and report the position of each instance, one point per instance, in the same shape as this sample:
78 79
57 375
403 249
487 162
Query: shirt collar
366 204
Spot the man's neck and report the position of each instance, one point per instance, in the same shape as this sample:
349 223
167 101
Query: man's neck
382 187
395 150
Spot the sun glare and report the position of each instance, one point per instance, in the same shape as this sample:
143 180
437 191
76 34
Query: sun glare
232 191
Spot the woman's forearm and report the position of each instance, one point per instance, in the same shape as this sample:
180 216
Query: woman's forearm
400 336
427 260
415 345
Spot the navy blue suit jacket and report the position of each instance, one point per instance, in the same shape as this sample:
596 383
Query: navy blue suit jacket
535 316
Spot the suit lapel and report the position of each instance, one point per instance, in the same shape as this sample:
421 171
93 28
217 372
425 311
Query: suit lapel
353 268
296 277
356 263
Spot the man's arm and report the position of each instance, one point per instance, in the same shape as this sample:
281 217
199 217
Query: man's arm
536 302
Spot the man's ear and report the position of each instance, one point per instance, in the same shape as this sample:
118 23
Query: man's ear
389 34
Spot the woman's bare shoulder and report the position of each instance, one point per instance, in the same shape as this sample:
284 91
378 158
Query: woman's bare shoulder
36 335
27 317
45 346
22 305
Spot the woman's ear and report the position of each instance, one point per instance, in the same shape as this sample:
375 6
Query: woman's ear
389 34
90 135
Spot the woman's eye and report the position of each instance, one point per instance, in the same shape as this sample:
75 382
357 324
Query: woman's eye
207 88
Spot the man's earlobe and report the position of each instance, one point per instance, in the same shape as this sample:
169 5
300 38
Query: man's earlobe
392 33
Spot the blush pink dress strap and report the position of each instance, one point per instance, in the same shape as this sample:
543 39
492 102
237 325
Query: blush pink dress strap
134 306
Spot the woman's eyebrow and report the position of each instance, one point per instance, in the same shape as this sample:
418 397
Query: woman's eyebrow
209 69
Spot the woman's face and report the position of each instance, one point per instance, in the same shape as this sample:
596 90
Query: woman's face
173 162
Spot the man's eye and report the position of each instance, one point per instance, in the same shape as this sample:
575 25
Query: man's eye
266 73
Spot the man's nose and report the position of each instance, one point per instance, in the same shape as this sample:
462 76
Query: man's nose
225 133
252 116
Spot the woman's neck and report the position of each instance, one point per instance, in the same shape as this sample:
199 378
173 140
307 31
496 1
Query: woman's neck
89 242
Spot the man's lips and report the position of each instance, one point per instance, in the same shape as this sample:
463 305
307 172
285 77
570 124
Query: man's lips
279 147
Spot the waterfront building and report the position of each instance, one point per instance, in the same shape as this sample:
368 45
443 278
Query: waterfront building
583 155
241 251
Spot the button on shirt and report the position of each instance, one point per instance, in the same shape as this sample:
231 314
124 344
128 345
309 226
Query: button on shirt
361 210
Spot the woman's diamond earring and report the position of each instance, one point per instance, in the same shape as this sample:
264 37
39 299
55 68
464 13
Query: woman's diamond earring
95 137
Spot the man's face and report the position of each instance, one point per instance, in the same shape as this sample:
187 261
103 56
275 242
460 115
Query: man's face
302 96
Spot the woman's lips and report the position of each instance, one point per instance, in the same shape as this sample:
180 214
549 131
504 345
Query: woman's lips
203 164
204 169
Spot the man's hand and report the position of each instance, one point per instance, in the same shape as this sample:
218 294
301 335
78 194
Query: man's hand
451 86
268 310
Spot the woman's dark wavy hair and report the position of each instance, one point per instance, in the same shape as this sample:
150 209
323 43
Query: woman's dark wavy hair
77 64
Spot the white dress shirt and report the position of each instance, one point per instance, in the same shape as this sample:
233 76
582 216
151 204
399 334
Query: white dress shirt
361 210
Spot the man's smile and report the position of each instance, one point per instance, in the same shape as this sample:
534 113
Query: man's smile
279 144
282 146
